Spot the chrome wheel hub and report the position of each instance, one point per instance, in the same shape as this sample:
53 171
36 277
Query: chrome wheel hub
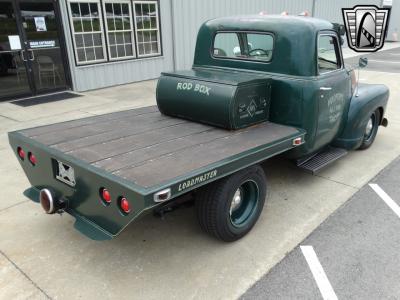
370 126
236 200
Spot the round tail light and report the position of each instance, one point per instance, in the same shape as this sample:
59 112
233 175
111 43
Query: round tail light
105 195
125 206
32 158
21 153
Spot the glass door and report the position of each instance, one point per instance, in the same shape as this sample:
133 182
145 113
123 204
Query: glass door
31 60
42 40
14 79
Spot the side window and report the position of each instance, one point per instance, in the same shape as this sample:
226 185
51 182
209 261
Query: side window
227 45
328 54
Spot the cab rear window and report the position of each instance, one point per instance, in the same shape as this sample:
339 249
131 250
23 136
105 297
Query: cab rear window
243 45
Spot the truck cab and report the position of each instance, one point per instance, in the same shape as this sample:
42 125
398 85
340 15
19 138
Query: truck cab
311 88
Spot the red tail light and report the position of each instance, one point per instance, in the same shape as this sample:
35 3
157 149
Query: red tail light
21 153
125 206
105 195
297 141
32 158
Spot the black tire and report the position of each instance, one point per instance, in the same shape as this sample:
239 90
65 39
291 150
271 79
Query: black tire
222 217
369 136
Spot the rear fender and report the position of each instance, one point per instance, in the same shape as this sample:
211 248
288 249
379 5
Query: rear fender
369 98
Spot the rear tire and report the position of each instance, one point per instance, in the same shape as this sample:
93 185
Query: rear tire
371 130
229 208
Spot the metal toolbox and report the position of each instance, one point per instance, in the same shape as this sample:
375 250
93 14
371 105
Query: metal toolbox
225 99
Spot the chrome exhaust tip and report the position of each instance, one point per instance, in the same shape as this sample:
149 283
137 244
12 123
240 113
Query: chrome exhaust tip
47 201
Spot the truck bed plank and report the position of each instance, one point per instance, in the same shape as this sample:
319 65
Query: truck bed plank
60 127
60 136
165 168
140 156
119 146
114 134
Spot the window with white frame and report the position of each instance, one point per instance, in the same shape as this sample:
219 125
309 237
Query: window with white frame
87 31
109 30
119 29
147 28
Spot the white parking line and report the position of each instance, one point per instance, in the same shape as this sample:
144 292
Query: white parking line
385 197
318 272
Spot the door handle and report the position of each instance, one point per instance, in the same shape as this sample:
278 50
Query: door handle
32 56
22 55
323 88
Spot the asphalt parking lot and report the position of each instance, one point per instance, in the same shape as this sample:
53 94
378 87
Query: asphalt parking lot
357 248
382 61
43 256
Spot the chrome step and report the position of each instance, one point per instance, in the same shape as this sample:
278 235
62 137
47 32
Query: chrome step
322 159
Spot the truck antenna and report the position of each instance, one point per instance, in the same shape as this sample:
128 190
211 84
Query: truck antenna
358 80
362 63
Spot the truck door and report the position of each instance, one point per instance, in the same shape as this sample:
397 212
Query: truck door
334 88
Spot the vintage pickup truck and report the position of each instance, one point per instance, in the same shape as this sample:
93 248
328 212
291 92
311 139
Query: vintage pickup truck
259 86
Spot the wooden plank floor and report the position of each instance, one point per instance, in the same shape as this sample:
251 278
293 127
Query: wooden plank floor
148 148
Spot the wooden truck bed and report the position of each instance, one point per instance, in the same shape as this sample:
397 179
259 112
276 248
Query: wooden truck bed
148 148
137 154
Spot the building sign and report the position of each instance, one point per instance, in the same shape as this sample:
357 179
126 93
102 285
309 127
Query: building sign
40 23
42 44
15 43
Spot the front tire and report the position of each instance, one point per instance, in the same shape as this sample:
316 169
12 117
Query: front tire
229 208
371 130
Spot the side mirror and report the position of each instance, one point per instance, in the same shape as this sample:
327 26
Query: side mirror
363 62
342 29
339 28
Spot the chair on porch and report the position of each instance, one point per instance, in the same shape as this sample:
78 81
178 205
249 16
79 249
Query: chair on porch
47 68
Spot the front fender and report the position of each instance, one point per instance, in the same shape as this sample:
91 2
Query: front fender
370 97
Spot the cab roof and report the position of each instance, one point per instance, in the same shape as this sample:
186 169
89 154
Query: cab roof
294 42
271 22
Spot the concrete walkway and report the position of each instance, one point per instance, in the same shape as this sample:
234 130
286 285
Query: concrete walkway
43 256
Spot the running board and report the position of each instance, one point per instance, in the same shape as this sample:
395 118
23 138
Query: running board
322 159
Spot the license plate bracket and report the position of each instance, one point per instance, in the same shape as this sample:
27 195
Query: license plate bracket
65 173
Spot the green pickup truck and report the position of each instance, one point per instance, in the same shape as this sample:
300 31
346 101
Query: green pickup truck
259 86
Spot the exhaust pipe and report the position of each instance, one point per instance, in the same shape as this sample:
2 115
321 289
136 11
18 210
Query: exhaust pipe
384 122
49 204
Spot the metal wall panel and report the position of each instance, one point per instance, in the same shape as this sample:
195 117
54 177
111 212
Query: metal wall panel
188 15
331 10
394 22
114 73
180 21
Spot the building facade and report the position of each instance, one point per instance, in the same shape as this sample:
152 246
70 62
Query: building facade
51 45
